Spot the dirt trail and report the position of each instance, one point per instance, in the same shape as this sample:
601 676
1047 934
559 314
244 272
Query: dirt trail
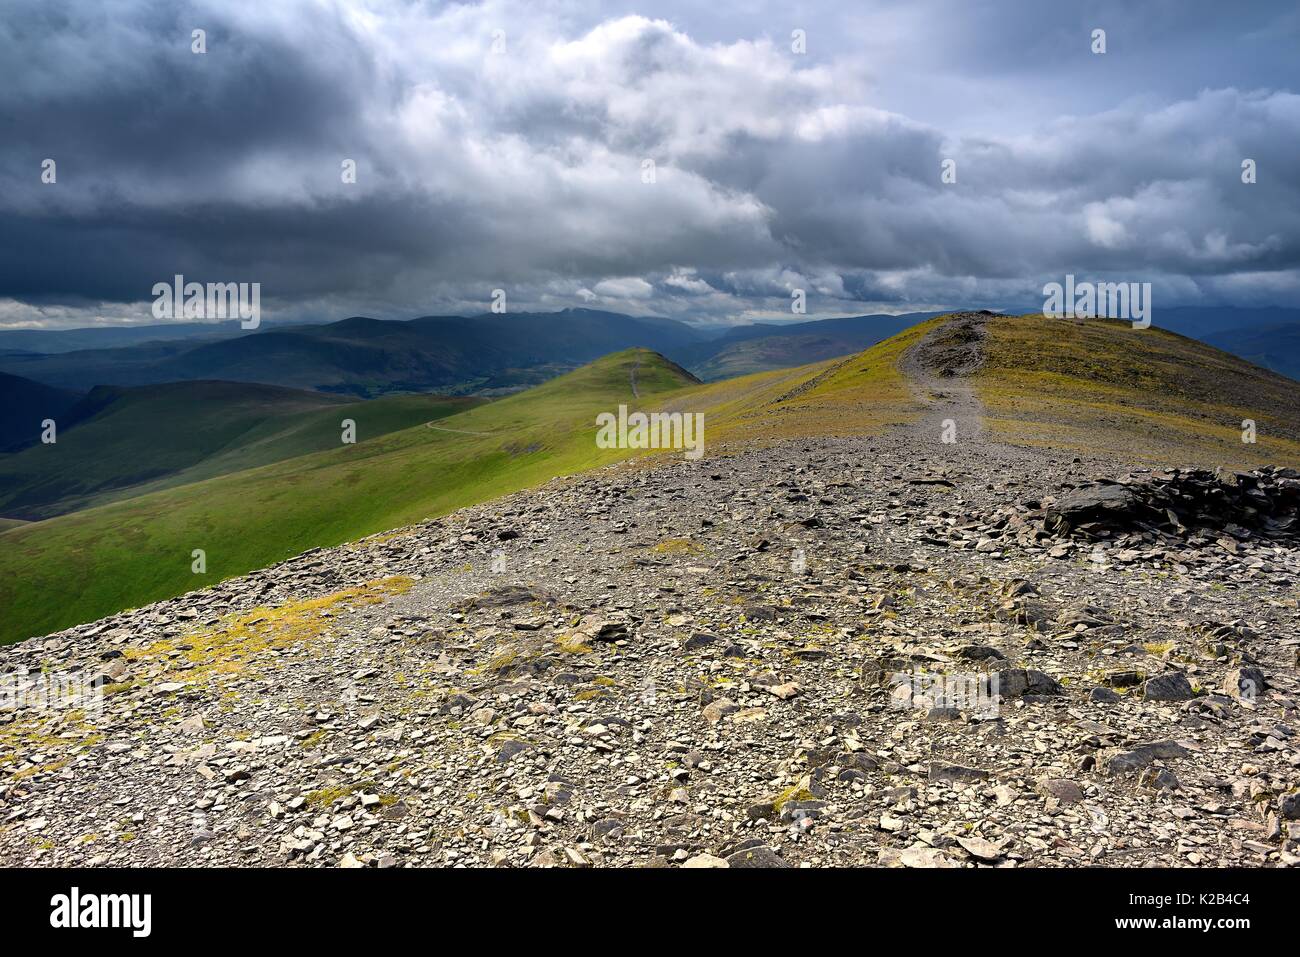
440 428
632 377
940 368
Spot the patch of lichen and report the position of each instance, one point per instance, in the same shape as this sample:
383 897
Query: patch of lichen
314 739
34 770
500 662
796 792
679 546
382 538
42 731
574 644
324 797
229 647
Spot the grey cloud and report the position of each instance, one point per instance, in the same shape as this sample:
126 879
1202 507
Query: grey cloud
523 169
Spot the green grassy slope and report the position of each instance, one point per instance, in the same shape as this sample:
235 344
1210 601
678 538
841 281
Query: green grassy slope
132 441
88 564
120 437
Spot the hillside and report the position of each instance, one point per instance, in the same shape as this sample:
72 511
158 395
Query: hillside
93 562
1139 394
117 442
262 515
24 405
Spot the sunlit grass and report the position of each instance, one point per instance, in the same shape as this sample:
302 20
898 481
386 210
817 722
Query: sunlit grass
1103 387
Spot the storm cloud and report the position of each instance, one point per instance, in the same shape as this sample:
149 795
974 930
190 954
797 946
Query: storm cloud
665 161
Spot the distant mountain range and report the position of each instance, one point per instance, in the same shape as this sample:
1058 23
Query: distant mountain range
365 357
1273 347
497 354
1202 322
486 355
112 337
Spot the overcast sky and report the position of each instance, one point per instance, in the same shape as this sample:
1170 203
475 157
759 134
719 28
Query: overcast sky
505 144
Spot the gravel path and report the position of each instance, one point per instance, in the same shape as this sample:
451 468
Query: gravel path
939 369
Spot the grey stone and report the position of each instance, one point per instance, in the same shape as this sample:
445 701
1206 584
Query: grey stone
1244 683
955 772
1172 686
1063 789
1117 761
759 856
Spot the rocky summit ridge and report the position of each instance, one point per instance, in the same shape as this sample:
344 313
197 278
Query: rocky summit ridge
879 650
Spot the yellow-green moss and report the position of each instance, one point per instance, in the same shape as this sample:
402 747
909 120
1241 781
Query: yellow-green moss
229 647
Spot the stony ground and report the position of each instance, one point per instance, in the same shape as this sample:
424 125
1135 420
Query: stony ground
697 664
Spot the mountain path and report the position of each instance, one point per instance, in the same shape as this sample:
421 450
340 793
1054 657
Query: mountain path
443 428
940 369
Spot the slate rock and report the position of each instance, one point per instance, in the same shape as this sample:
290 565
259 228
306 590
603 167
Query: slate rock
758 856
1172 686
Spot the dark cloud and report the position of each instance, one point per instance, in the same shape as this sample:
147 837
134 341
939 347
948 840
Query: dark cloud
521 165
